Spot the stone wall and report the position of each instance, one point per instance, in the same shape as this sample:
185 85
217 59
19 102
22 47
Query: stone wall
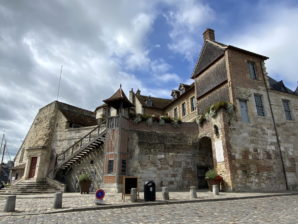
165 154
287 134
185 98
256 163
92 165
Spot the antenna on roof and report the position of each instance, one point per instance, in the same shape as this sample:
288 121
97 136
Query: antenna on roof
120 86
59 82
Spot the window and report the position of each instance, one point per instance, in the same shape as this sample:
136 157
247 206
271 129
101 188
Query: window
110 166
175 112
252 70
183 109
123 167
244 111
149 102
192 103
259 105
286 104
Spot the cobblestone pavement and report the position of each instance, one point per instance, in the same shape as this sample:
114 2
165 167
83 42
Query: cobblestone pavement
42 203
276 210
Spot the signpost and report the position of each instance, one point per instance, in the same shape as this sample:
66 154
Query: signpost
99 195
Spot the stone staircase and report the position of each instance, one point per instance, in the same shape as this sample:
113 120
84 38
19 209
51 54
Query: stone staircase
30 187
94 140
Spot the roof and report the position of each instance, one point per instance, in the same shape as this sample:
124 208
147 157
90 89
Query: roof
77 115
118 99
280 86
212 51
157 103
101 106
191 86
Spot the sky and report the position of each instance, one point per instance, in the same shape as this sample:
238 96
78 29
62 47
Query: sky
148 45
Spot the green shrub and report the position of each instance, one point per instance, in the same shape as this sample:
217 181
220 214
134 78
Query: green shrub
84 177
211 174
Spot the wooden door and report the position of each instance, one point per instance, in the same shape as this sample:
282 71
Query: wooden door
32 167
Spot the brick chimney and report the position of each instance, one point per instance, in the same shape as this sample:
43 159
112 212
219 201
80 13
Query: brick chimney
209 35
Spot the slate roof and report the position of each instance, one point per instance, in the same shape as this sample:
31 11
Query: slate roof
77 115
157 103
211 52
280 86
117 98
191 86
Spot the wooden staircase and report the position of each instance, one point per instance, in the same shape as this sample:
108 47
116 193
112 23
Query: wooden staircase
94 140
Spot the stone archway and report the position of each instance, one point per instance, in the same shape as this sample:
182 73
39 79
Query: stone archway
205 161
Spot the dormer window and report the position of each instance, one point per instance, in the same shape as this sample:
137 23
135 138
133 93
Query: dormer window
252 70
149 102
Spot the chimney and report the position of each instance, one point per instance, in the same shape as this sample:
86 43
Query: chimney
132 96
209 35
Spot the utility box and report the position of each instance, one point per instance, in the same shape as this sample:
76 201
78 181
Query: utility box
149 191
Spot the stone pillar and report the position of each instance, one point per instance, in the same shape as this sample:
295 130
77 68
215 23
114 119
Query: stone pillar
10 204
193 192
215 189
165 193
58 200
133 194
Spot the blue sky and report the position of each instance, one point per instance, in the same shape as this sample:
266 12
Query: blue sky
148 45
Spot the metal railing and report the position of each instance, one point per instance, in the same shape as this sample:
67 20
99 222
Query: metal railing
80 143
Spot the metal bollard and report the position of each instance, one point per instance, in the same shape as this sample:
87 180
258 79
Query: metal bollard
165 193
215 189
58 200
10 204
193 192
133 194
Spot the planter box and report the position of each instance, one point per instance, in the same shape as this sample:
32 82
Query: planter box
213 182
84 186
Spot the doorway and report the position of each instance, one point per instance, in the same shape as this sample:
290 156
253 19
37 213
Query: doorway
32 167
205 162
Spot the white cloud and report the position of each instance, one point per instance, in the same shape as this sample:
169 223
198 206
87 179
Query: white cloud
275 36
186 20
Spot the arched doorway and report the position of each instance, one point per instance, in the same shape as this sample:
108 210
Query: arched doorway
205 161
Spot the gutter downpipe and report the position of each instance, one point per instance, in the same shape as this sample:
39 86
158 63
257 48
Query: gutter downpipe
275 129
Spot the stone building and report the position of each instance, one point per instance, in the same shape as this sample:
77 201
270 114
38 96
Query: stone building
234 118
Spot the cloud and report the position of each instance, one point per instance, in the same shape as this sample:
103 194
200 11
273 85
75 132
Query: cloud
100 45
274 36
186 20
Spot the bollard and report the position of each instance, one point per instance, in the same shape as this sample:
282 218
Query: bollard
193 192
165 193
133 194
58 200
10 204
215 189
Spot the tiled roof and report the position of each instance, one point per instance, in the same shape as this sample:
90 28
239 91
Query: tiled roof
157 103
212 51
117 98
77 115
191 87
279 86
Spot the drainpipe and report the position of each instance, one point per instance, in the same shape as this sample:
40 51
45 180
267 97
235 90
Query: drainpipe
275 129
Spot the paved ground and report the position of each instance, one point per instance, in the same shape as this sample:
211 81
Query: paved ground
279 209
43 203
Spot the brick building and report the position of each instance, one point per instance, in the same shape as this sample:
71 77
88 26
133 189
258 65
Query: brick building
234 118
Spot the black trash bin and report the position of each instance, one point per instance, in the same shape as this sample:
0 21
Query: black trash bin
149 191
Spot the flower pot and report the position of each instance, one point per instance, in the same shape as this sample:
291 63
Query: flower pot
213 182
84 186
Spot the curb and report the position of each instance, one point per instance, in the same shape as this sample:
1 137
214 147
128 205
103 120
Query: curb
143 204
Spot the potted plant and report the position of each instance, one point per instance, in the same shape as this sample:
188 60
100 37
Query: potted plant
213 178
85 183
